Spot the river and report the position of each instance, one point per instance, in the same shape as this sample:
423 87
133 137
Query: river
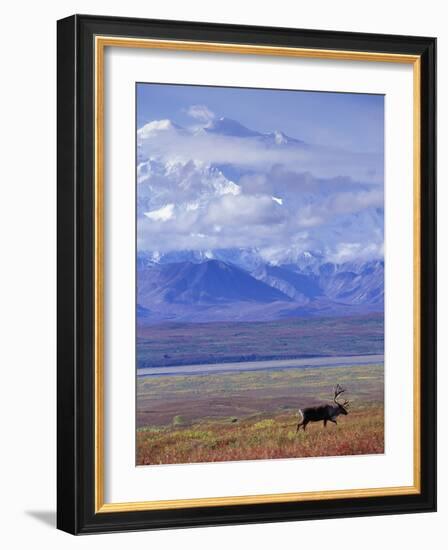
215 368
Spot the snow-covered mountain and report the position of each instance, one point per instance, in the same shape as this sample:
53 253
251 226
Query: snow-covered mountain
224 186
229 127
222 205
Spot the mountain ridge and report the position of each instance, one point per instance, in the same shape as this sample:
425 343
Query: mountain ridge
208 282
213 290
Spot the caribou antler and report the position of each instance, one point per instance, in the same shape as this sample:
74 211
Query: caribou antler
338 390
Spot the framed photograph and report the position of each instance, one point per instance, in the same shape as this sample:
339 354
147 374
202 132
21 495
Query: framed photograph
246 274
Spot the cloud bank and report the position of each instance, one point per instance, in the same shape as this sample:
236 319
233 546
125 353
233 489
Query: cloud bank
221 185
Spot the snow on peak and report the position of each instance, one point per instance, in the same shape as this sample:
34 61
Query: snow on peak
229 127
280 138
277 200
157 126
227 187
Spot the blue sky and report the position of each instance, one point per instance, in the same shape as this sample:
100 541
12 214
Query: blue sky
213 185
348 121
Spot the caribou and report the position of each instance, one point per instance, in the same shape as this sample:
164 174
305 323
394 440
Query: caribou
324 412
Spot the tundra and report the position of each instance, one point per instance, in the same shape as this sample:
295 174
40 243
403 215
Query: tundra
324 412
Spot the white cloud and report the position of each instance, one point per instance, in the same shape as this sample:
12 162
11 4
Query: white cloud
192 206
201 112
162 214
203 191
324 210
211 148
244 209
346 252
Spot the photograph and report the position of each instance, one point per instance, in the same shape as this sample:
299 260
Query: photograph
259 273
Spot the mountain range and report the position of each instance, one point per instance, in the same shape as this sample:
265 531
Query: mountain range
204 289
238 224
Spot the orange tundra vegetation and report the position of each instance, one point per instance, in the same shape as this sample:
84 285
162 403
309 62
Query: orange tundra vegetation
360 433
249 416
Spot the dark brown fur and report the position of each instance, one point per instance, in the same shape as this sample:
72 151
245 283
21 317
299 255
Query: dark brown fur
324 412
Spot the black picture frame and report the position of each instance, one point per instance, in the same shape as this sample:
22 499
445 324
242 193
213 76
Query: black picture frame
76 512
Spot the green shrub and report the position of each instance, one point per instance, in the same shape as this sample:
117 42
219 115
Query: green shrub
179 420
267 423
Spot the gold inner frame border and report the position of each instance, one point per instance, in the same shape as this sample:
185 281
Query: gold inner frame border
101 42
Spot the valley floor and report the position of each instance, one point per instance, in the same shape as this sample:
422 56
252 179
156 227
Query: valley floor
253 415
175 344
